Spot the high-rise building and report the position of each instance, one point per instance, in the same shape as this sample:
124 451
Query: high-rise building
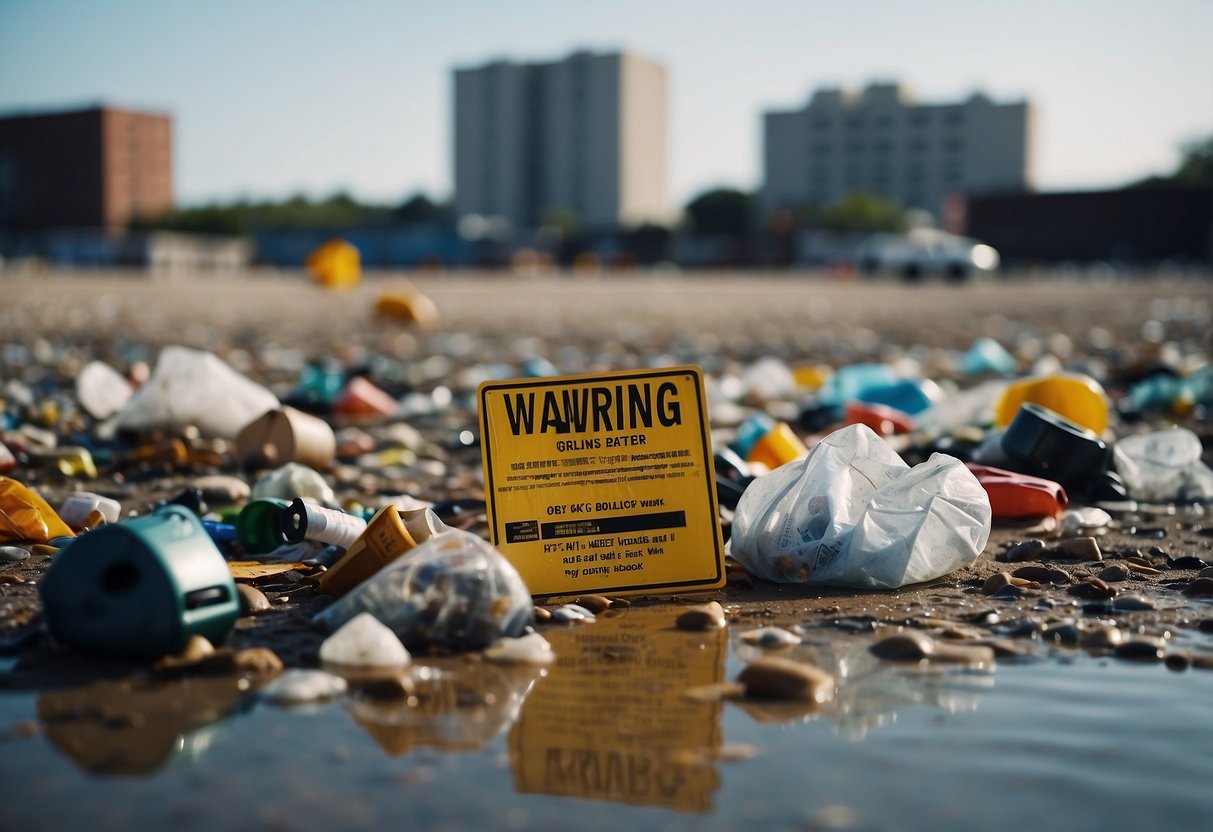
582 138
880 141
94 168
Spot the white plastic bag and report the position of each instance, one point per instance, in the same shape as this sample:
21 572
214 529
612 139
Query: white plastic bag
851 513
1164 465
191 387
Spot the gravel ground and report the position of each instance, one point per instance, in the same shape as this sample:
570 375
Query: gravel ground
266 324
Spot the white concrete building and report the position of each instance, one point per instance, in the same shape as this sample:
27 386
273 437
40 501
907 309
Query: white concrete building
881 141
584 137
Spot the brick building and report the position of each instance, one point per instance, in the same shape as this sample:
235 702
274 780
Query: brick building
95 168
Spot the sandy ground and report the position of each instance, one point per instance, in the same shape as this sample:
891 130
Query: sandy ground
718 320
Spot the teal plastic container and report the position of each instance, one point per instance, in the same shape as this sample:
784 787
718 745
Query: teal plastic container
141 588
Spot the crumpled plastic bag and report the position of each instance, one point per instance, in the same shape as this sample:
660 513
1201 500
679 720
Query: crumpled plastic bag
455 590
852 513
192 387
1164 465
26 517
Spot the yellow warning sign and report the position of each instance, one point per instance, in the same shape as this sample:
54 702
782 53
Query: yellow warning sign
603 483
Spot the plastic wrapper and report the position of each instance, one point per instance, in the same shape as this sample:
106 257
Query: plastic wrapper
455 590
1164 465
191 387
292 481
852 513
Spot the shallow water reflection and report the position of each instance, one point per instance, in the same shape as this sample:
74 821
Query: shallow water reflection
609 721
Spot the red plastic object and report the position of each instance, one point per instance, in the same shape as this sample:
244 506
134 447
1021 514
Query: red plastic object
881 418
362 398
1014 496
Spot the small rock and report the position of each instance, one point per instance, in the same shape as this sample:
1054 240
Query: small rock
296 687
364 642
912 645
1079 548
1187 562
259 661
1065 633
252 600
13 553
1177 662
195 650
221 489
1142 649
1133 603
1008 593
1092 588
531 648
10 578
709 616
1101 637
1139 569
1114 573
570 613
770 638
594 603
1027 550
1000 580
1199 588
1042 574
542 615
771 677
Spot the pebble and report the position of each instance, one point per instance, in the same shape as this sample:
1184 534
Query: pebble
1139 569
1142 650
770 638
594 603
912 645
1101 636
1133 603
1027 550
1114 573
1092 588
542 615
252 600
364 642
531 648
1001 580
1042 574
1065 633
195 650
13 553
570 613
259 661
1177 662
709 616
1188 562
298 686
10 578
1080 548
771 677
1199 588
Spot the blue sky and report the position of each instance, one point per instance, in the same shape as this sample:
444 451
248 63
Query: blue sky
271 97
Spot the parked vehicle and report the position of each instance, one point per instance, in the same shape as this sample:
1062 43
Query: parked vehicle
926 251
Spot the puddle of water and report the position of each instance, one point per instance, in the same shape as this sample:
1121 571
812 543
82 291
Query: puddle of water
604 739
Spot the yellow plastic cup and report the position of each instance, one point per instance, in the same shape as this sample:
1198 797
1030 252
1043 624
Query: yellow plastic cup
1075 396
779 445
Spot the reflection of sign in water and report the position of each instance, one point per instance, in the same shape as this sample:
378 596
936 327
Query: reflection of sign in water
609 721
603 483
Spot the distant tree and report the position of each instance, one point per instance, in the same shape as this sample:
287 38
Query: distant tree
720 211
859 212
419 208
1195 167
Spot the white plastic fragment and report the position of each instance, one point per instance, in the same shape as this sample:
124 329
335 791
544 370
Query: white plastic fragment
193 387
852 513
298 687
78 506
101 390
294 480
364 642
570 613
1085 519
531 648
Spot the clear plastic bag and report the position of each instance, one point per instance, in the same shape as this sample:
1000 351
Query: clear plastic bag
852 513
1164 465
455 590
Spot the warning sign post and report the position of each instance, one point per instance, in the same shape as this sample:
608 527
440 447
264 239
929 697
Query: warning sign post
603 483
